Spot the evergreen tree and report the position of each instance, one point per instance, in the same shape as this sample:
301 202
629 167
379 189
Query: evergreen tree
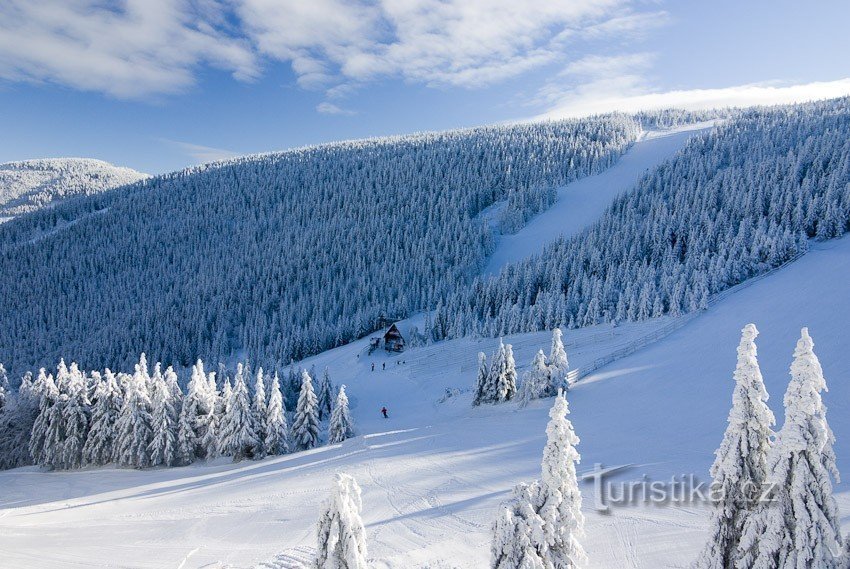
739 469
5 389
192 423
75 420
325 405
134 422
238 436
559 366
341 542
215 417
260 411
482 387
503 376
163 447
341 425
541 525
16 423
276 428
800 527
47 394
100 444
536 381
305 425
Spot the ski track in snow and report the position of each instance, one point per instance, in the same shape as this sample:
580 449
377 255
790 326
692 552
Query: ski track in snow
582 202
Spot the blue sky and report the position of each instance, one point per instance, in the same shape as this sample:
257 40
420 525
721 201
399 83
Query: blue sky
161 84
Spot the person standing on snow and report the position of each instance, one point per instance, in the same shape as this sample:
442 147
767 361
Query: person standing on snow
384 412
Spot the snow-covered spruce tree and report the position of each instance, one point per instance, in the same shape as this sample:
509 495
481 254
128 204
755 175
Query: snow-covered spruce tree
16 422
341 426
341 538
163 446
326 398
503 375
134 423
259 407
305 424
213 420
739 469
191 426
536 382
482 388
5 388
47 392
76 419
275 428
800 527
540 527
238 431
558 364
100 444
517 526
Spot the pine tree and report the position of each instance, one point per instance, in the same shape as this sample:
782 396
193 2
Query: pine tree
305 425
276 429
75 420
325 405
341 542
134 423
739 469
214 418
260 410
503 380
540 526
238 435
100 444
16 423
482 388
800 527
559 366
192 425
47 393
5 388
536 381
341 425
163 447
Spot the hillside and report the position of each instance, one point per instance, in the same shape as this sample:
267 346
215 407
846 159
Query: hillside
30 185
434 473
279 256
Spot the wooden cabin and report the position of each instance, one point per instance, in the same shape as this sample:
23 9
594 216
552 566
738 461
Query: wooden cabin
393 340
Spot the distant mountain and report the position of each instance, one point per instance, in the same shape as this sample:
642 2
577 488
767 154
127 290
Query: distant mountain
33 184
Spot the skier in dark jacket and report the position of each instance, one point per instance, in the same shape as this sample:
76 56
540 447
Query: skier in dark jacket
384 412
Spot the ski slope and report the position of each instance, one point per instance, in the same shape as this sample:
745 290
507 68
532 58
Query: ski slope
434 474
582 202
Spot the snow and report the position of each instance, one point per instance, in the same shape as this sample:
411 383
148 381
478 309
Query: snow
582 202
33 184
434 474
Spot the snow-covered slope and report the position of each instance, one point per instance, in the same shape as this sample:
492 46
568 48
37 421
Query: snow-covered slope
434 473
580 203
33 184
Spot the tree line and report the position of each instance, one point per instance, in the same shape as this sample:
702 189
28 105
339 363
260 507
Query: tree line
144 419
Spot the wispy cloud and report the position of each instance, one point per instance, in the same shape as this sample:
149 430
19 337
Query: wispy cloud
582 102
136 49
143 48
201 154
327 108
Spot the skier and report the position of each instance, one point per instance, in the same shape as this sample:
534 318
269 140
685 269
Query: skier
384 365
384 412
373 366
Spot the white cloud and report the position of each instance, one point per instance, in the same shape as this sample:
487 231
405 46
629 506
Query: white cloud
142 48
327 108
202 154
133 50
581 102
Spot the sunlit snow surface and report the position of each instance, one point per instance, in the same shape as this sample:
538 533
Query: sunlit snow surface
433 474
